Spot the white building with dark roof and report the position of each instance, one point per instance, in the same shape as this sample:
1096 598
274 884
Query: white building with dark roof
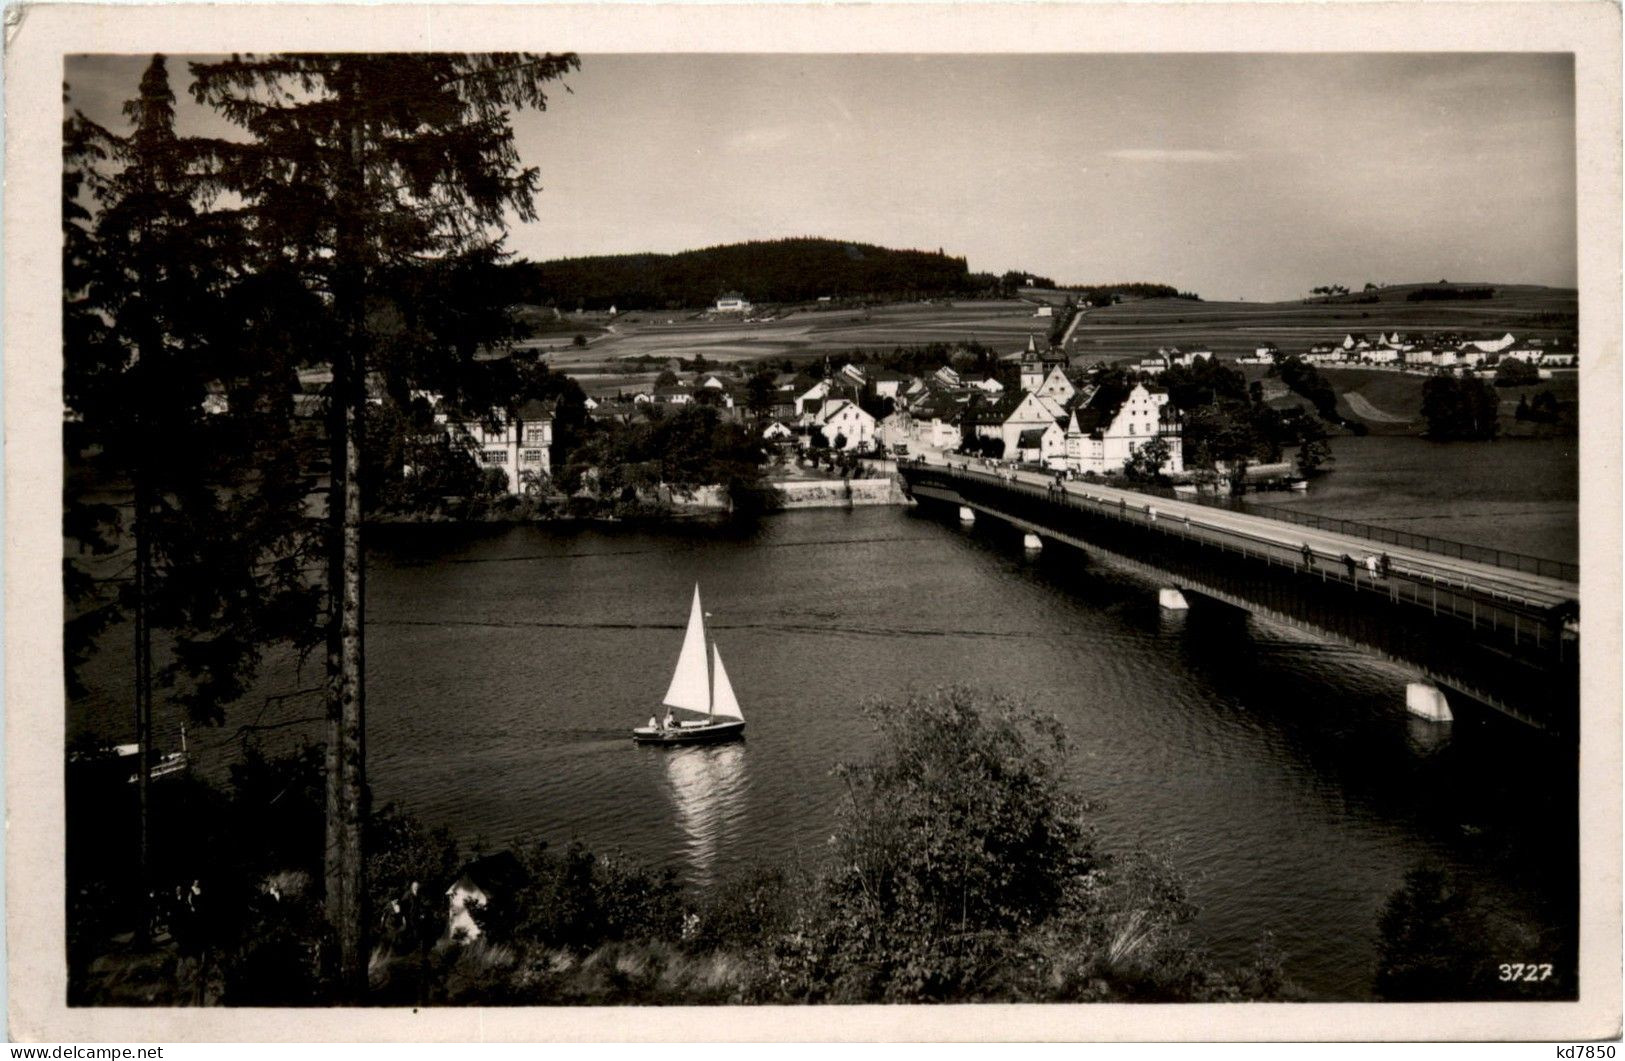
1103 432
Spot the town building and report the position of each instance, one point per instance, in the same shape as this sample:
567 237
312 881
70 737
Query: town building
889 384
1040 445
1057 389
844 423
936 420
815 393
1103 432
519 442
1151 365
732 302
1022 412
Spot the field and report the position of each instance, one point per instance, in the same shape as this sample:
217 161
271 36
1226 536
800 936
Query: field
1232 329
801 335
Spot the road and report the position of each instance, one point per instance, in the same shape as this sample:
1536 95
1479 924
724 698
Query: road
1328 547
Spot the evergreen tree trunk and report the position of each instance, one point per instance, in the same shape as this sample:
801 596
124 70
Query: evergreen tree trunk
346 754
347 699
143 698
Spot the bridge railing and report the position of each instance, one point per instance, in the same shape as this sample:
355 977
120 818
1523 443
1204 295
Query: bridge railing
1440 592
1535 565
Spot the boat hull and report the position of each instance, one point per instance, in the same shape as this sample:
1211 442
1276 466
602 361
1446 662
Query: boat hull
703 734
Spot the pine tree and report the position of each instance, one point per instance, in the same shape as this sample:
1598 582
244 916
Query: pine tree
155 316
363 169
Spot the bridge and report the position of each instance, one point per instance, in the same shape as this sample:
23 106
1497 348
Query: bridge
1503 634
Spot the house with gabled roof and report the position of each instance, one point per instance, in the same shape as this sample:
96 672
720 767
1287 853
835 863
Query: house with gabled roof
1151 365
1057 388
1103 431
889 384
1021 412
984 417
1493 345
815 393
936 419
845 424
1037 445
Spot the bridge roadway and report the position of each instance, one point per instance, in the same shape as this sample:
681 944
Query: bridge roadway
1509 614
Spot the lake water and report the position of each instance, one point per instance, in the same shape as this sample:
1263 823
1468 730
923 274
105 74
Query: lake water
507 665
1521 495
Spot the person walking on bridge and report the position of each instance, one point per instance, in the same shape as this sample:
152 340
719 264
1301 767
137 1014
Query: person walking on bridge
1308 557
1348 562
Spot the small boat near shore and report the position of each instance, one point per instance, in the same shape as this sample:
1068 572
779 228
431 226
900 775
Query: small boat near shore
698 688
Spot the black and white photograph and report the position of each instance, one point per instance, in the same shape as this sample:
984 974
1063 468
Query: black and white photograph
778 522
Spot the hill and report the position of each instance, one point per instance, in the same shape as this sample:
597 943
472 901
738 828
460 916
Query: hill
767 271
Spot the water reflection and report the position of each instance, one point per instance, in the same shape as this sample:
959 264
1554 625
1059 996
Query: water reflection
707 787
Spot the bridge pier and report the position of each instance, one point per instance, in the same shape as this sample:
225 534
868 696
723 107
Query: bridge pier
966 514
1425 700
1170 598
1031 542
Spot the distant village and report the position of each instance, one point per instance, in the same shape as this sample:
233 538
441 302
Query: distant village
1053 416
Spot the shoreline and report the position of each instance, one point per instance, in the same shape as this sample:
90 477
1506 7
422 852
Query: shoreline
792 495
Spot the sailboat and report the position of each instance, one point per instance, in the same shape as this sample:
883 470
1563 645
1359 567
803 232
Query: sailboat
697 688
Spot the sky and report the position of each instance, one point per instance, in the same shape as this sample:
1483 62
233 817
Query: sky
1231 175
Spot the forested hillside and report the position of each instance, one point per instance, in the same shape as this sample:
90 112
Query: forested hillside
788 270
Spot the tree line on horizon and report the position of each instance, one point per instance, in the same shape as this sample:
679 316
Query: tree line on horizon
802 269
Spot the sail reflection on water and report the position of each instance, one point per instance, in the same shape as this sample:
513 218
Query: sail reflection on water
708 787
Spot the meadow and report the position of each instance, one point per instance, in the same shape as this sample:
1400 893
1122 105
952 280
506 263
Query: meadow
1130 329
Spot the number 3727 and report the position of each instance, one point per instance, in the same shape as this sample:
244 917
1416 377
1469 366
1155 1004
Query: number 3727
1531 973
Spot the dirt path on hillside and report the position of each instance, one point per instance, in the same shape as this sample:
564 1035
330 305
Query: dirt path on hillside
1366 411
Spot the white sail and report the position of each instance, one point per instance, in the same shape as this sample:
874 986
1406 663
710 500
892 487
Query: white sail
723 703
689 685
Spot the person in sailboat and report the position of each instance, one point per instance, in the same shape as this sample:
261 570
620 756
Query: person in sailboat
669 722
652 723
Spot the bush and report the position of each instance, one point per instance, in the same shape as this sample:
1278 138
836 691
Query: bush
959 836
1514 373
